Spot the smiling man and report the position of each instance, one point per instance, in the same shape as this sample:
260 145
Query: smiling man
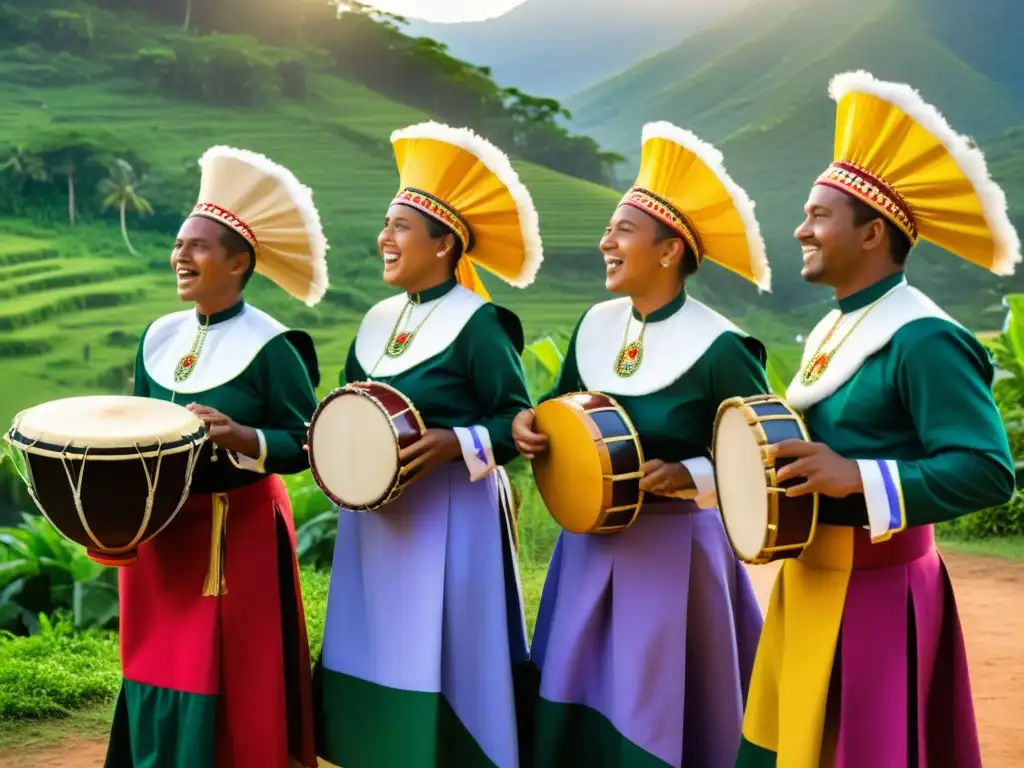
213 642
861 662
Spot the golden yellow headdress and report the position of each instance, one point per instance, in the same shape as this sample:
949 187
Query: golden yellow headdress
467 183
898 154
264 203
683 183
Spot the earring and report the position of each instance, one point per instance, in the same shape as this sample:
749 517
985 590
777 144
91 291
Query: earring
664 263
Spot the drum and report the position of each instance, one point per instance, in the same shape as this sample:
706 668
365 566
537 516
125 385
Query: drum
763 524
590 475
354 439
108 472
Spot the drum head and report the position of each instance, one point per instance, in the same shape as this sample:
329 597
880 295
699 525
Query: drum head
569 474
109 426
354 448
741 484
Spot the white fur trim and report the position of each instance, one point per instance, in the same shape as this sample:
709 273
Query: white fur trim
715 161
498 163
301 197
479 458
962 149
703 475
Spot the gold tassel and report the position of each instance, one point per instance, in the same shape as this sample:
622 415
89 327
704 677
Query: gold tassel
216 580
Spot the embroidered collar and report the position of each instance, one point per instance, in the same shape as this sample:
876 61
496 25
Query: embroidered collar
862 298
665 312
220 317
433 293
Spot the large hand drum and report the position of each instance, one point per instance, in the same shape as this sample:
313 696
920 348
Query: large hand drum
108 472
355 438
763 524
589 477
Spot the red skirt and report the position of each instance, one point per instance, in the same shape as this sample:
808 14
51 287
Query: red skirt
216 682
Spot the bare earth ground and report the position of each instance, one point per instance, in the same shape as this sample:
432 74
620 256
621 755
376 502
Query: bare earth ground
990 596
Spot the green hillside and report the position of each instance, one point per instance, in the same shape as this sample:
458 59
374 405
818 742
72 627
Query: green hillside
756 86
73 300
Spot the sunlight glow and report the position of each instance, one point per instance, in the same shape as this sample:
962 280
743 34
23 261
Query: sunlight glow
446 11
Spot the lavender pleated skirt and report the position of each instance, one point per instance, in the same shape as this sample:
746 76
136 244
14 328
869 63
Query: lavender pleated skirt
649 635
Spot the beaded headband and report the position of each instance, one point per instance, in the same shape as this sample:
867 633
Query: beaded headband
650 203
438 209
861 184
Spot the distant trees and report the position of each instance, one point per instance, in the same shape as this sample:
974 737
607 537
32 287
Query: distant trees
216 59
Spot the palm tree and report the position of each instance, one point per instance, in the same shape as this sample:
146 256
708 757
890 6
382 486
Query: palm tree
122 190
22 165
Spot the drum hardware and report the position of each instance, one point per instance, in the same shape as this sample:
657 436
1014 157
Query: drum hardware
763 523
355 439
589 477
114 508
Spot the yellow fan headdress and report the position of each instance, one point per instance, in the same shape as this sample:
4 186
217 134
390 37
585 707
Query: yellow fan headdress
683 183
898 154
467 183
264 203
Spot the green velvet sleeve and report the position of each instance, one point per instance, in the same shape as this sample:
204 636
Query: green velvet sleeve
352 371
494 367
943 377
290 402
140 384
737 368
569 375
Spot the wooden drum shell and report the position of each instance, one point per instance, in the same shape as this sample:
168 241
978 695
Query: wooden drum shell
791 521
406 425
113 492
608 447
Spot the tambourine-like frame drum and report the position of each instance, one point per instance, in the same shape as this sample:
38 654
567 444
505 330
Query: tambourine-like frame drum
108 472
355 437
589 477
763 524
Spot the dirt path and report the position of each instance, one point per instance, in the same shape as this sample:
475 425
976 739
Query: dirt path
990 596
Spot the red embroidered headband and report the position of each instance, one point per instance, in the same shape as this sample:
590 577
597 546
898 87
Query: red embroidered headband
664 212
438 209
862 184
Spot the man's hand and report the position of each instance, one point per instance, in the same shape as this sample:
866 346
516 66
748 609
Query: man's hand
824 470
665 479
436 447
225 433
528 442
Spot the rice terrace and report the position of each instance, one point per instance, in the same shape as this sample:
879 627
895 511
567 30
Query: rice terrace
106 105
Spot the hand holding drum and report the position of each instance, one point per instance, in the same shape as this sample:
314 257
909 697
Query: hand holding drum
367 442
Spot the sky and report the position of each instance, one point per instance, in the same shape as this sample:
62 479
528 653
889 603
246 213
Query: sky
556 48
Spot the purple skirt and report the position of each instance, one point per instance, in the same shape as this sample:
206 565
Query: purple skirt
655 629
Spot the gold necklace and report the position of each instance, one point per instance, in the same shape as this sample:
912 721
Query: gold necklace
632 354
400 341
819 361
187 364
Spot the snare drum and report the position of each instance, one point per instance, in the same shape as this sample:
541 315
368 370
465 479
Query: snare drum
108 472
355 437
763 524
589 477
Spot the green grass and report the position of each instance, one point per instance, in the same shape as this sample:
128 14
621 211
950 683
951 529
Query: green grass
1009 548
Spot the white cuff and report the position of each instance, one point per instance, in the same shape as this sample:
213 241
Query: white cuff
242 461
883 496
703 475
477 452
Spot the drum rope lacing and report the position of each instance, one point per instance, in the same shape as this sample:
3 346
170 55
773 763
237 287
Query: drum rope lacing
398 341
76 488
819 361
